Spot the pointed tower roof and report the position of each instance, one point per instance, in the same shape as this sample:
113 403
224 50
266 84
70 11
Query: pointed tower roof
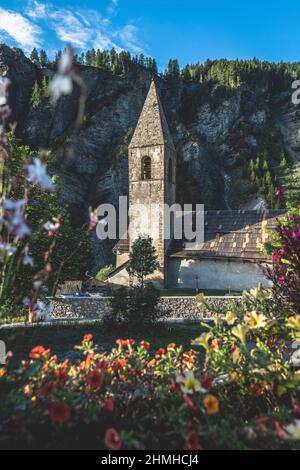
152 127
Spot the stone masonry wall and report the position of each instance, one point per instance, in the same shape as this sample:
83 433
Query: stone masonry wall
180 308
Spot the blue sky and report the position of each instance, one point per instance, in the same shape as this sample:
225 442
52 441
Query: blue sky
190 30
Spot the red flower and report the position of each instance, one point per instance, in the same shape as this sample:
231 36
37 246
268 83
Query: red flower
112 439
109 405
207 382
59 413
255 390
159 353
234 347
192 442
61 375
145 345
95 379
171 347
47 388
87 338
38 352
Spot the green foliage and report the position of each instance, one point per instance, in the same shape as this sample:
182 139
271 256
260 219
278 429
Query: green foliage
39 92
136 306
70 249
104 273
142 259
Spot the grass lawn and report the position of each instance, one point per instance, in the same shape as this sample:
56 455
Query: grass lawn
61 338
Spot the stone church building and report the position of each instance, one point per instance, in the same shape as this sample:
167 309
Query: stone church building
232 253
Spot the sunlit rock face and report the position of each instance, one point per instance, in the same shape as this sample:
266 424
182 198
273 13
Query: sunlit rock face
215 135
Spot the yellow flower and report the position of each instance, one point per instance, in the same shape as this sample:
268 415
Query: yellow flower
256 320
33 398
203 340
230 318
211 404
189 384
2 372
294 322
201 298
240 332
257 292
293 431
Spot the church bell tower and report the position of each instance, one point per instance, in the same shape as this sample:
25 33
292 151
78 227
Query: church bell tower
152 177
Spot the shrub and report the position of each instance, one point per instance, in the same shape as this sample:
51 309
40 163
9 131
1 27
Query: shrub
135 306
285 270
104 273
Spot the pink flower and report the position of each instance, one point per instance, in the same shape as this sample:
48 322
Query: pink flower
281 280
53 226
4 84
280 192
14 217
275 256
295 235
36 173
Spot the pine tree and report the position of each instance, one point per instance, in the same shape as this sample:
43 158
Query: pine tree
173 68
43 58
36 95
34 56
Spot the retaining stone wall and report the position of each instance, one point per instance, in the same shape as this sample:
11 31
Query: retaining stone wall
186 308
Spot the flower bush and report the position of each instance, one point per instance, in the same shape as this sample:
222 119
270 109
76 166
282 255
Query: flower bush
235 390
285 250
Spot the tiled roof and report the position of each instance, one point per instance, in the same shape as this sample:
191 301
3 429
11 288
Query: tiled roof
231 234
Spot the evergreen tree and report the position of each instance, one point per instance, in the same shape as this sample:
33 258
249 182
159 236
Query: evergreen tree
142 259
173 68
36 95
34 56
43 58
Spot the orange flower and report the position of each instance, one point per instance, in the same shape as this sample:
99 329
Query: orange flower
59 413
192 442
109 405
61 375
2 372
145 345
171 347
211 404
38 352
87 338
112 439
151 363
216 343
95 379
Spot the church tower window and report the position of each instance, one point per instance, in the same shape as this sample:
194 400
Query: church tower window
146 168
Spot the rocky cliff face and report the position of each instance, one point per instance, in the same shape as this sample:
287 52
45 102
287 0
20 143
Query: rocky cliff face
214 134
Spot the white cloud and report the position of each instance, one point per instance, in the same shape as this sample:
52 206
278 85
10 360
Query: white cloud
128 36
83 28
36 10
103 42
25 33
70 29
